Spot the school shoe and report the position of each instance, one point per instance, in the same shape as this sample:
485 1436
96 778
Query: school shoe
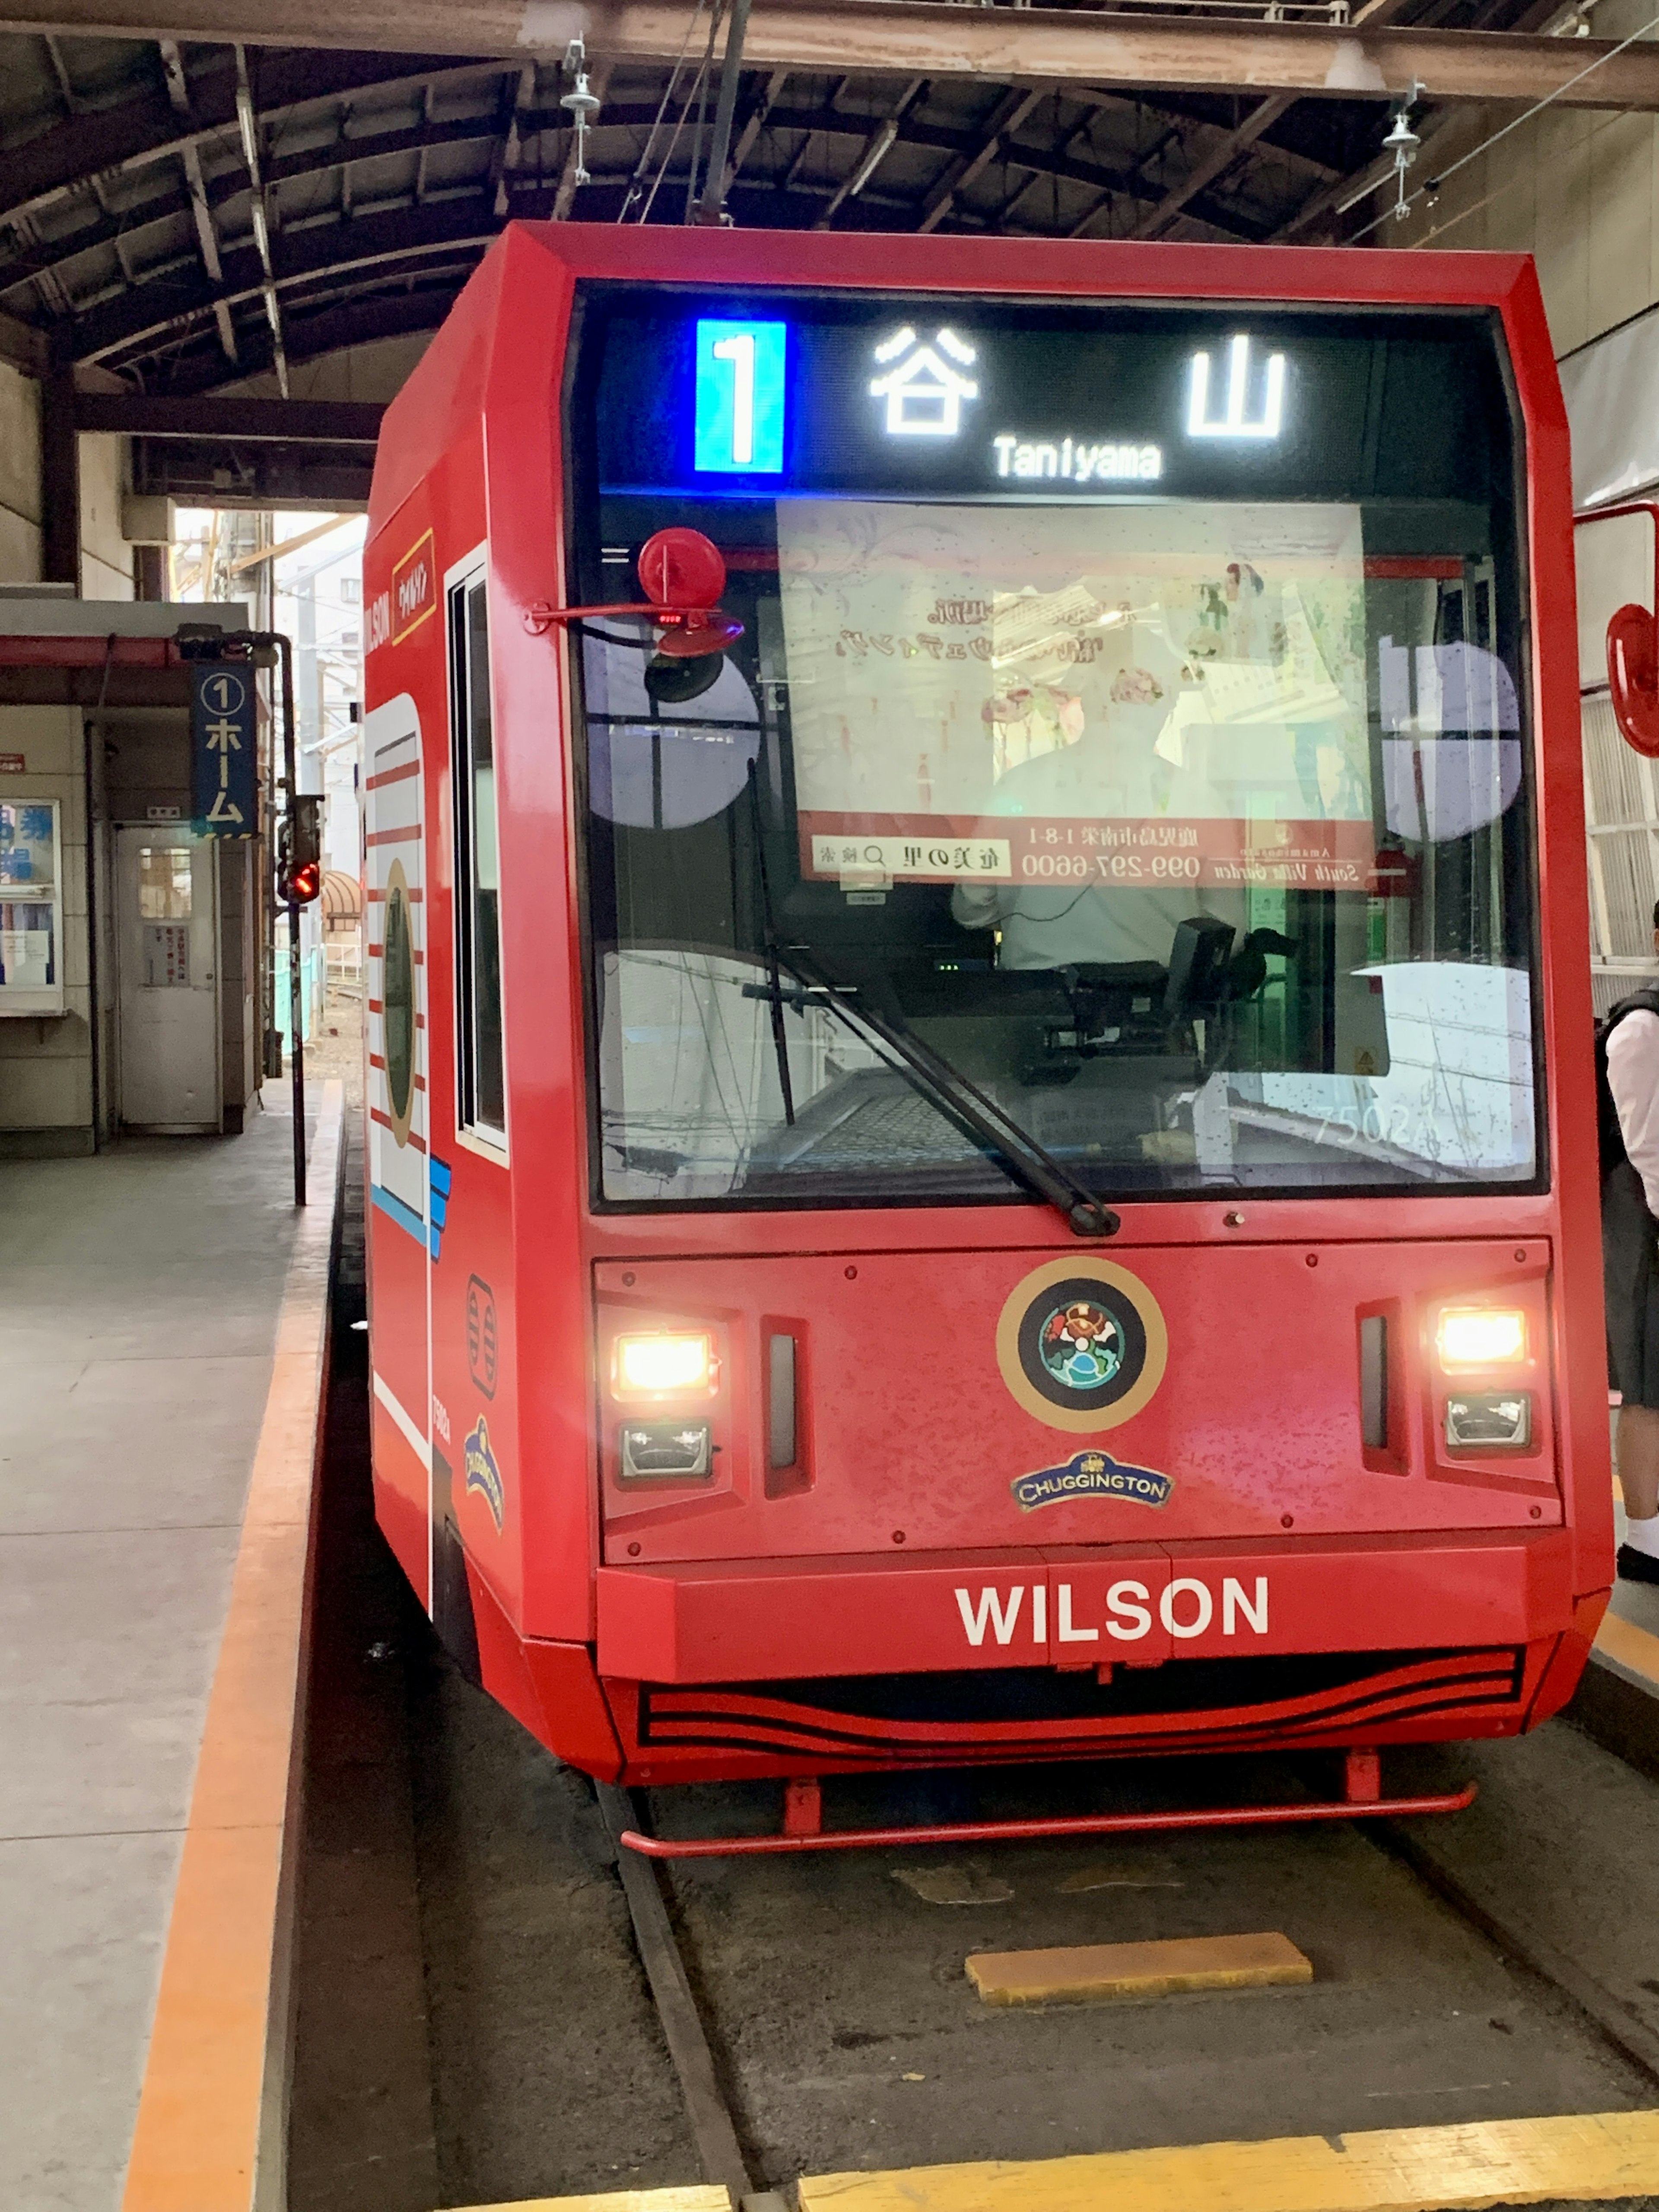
1634 1566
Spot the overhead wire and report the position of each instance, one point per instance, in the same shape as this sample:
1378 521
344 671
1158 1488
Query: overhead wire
1497 191
698 82
1432 185
633 186
704 76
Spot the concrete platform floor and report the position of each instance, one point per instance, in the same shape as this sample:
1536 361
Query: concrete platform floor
139 1292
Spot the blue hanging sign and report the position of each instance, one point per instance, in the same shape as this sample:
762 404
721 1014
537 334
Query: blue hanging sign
224 752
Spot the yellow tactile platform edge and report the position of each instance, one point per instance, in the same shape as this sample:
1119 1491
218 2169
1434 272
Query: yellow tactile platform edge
196 2145
698 2197
1582 2157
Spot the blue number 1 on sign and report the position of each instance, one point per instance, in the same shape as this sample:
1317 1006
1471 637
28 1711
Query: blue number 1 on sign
739 413
224 749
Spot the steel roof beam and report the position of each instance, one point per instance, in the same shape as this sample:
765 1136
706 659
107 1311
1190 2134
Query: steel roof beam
1010 113
357 319
149 313
290 421
149 129
177 295
873 152
1220 158
172 69
373 146
921 37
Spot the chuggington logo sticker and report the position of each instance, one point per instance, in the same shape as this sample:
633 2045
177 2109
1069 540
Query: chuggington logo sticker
1081 1345
483 1475
1090 1474
413 597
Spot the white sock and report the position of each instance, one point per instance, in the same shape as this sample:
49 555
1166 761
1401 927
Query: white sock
1642 1536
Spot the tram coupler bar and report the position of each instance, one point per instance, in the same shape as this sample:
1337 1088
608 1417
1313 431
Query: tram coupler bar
1022 1831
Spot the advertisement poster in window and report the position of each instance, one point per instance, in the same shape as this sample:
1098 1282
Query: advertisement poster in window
1123 697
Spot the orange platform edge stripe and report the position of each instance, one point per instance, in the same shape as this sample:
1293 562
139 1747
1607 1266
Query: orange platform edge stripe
1633 1648
195 2147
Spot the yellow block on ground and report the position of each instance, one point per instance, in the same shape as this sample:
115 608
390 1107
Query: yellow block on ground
694 2196
1583 2157
1084 1971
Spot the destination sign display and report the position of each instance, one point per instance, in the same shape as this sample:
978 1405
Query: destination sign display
738 397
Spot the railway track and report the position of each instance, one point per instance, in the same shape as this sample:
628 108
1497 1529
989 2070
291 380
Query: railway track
1500 1913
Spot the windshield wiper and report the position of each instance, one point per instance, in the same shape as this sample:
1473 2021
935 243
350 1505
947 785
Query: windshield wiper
773 985
1012 1146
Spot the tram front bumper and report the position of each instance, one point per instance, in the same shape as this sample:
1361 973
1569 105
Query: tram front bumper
1133 1605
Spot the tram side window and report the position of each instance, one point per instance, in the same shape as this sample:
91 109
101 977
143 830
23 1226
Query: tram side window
479 1059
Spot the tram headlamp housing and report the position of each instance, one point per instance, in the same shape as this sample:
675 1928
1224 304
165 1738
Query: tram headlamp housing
661 1365
1489 1420
665 1451
1474 1337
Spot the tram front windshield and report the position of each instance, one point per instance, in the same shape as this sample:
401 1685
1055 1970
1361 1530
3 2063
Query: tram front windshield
1129 730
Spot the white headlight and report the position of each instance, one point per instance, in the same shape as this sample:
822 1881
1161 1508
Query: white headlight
663 1366
1482 1336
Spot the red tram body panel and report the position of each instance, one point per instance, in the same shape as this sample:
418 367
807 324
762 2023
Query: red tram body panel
738 1411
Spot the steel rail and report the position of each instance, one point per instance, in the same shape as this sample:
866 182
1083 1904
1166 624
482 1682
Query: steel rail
719 2152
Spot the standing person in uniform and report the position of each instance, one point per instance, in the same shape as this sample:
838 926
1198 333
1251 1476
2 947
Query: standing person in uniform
1628 1046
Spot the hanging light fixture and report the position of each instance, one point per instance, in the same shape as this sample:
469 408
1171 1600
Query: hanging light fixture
581 104
1402 142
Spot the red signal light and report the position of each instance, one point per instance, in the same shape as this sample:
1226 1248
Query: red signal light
301 884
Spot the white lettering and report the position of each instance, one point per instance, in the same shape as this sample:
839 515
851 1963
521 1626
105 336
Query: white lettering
1234 1601
411 591
1065 1633
990 1609
1206 1608
1129 1611
1231 422
1074 461
741 352
1119 1601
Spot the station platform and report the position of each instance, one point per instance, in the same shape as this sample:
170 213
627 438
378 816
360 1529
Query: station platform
161 1368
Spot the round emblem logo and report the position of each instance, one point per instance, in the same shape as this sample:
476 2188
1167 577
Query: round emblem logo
1081 1345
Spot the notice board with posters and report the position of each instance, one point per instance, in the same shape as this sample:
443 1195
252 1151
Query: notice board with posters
31 907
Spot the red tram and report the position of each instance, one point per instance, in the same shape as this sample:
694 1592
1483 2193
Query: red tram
997 1164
